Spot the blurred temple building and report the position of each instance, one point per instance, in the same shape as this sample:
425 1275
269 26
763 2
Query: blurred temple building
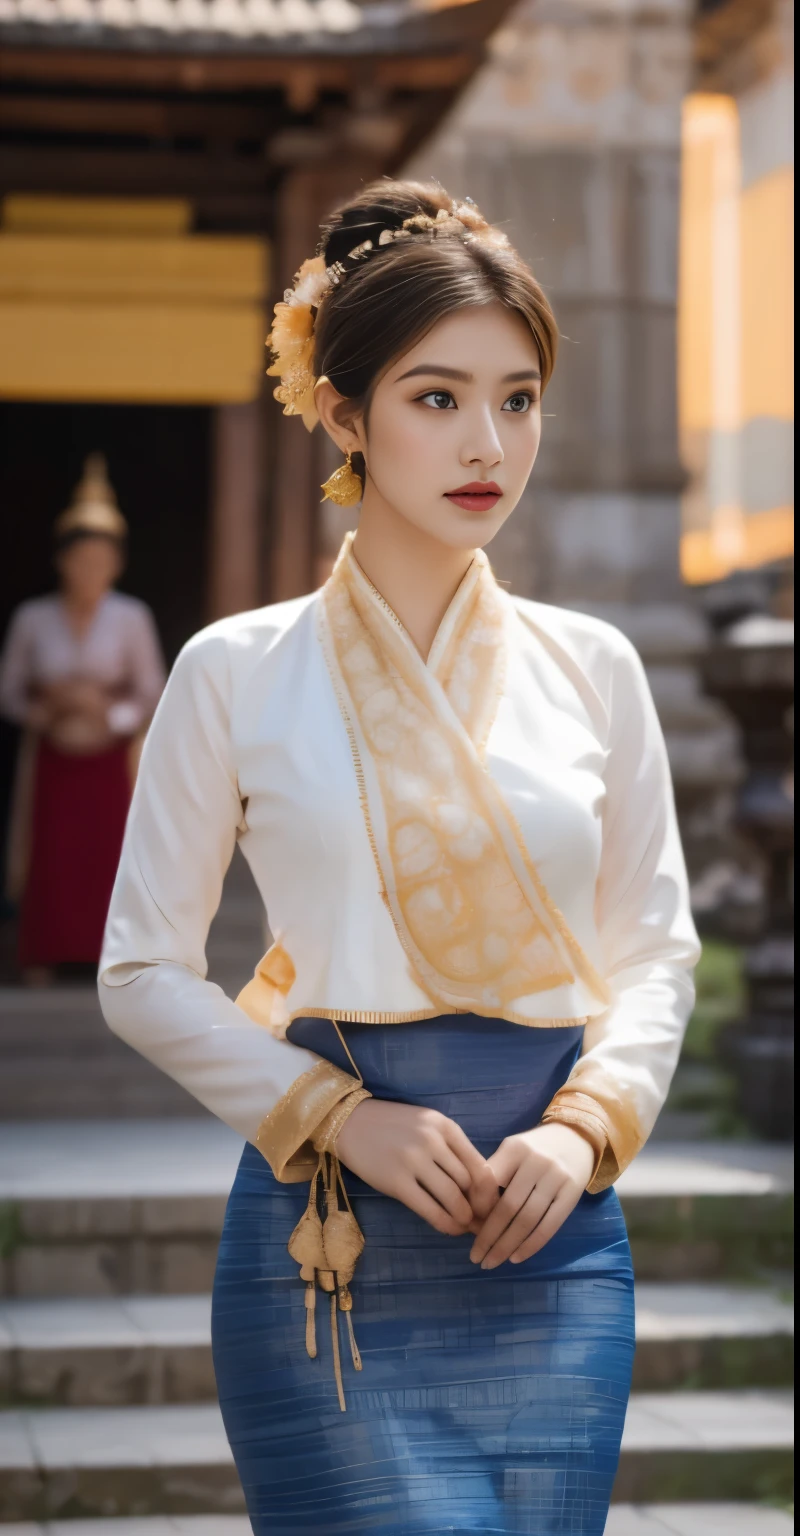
163 171
165 164
641 156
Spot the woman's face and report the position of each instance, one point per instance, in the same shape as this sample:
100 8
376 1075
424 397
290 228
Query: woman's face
88 569
453 427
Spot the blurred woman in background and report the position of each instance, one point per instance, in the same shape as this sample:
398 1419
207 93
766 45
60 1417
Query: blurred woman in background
81 673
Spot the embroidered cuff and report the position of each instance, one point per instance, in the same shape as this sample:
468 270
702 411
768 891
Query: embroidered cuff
284 1138
606 1120
593 1130
324 1137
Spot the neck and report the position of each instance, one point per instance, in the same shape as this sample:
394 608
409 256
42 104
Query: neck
416 574
80 607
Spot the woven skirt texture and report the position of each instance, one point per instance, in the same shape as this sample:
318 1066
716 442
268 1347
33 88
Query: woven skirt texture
490 1401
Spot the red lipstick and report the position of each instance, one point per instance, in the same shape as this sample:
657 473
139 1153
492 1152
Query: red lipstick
478 496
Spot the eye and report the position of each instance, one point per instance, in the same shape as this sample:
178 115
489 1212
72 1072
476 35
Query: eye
438 400
520 403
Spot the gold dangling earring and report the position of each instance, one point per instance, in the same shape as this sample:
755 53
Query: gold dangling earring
344 485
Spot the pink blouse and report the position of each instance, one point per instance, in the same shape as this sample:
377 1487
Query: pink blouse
120 650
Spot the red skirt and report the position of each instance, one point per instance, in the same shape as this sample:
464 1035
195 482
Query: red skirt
78 815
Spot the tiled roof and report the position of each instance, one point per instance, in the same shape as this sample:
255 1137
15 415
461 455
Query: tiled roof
290 28
91 20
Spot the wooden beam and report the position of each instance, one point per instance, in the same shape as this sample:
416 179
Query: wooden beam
426 73
143 118
172 71
734 45
235 554
197 73
293 494
125 171
305 197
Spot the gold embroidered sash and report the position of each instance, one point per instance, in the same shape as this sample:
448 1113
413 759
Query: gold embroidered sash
466 899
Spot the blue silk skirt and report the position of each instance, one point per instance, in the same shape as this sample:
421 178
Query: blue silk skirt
490 1400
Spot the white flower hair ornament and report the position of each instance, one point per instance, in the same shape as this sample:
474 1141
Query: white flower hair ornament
291 339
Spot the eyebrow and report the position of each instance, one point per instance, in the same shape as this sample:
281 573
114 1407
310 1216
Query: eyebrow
441 372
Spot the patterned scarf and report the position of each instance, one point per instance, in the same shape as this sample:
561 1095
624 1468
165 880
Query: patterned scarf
467 902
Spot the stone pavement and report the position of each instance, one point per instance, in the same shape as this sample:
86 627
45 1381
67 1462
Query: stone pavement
624 1520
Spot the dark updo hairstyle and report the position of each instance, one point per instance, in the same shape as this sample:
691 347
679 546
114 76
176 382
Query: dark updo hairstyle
389 298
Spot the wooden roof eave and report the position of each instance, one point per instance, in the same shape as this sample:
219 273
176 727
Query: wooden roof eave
439 46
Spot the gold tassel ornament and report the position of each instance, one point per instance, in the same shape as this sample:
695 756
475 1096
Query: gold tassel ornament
327 1252
344 486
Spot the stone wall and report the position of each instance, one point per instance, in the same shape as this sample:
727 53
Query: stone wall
570 138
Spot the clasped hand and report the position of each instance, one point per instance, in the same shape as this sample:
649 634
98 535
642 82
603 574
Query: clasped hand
513 1201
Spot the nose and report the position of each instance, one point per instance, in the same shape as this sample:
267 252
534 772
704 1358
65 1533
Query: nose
481 444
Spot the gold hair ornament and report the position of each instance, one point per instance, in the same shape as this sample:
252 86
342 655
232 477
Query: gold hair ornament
93 508
291 339
344 485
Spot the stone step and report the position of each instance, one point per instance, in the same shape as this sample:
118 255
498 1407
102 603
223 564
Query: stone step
106 1351
86 1461
638 1520
709 1210
136 1206
59 1060
707 1445
712 1336
624 1520
122 1083
115 1351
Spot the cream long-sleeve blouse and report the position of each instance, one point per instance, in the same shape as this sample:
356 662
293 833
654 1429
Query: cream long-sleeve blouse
491 831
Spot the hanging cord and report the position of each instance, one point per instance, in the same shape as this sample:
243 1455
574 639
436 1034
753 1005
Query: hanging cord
328 1251
348 1053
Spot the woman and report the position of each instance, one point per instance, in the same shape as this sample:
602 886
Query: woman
81 672
457 808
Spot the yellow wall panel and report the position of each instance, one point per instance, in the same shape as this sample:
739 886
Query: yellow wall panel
183 270
766 536
701 128
164 353
128 215
767 259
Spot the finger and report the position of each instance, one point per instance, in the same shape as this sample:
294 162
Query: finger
504 1212
525 1222
453 1165
484 1195
554 1218
438 1184
460 1143
424 1205
504 1162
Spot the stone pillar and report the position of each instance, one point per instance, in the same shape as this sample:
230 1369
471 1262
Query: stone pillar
236 577
570 138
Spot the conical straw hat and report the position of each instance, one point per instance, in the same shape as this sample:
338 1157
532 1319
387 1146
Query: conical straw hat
93 508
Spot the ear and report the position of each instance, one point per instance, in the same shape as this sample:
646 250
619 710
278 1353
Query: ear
342 422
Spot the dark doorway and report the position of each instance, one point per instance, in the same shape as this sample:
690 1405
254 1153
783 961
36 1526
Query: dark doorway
159 465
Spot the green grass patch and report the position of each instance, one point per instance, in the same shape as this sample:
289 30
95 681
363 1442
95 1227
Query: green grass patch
10 1230
720 997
